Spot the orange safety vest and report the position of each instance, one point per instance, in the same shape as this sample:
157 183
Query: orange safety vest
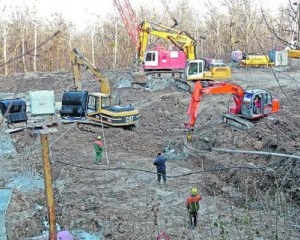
99 143
192 200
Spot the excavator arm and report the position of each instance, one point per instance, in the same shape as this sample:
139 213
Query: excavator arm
180 39
78 60
212 88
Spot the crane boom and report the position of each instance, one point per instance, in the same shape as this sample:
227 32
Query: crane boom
129 19
172 15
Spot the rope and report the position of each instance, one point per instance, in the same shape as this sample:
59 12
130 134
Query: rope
104 140
61 135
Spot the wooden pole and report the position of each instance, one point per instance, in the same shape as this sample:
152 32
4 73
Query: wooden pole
48 187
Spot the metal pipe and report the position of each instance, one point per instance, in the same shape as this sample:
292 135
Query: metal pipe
255 152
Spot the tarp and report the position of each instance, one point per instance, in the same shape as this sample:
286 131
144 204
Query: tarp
5 195
64 235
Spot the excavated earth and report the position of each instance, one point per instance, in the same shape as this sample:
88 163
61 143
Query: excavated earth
249 180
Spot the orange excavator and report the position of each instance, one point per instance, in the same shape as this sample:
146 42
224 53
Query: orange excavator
245 108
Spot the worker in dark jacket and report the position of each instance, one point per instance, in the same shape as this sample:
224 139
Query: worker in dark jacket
98 147
160 163
192 204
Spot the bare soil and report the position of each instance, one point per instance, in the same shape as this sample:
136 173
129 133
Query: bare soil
246 195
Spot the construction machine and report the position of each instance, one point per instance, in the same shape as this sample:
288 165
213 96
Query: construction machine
240 114
256 61
175 58
180 60
158 60
85 107
293 49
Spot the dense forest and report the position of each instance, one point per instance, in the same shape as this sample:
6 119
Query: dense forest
30 43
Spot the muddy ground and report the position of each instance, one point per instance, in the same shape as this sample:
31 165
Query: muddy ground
246 195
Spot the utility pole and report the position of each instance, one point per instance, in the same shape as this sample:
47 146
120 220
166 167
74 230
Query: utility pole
48 186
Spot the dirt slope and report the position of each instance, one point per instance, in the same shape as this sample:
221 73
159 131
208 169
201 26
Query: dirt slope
120 198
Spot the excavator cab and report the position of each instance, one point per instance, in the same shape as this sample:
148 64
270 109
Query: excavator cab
97 101
195 69
99 109
199 70
258 103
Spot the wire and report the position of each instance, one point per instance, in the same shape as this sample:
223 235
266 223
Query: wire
61 135
254 32
104 140
55 34
211 170
172 16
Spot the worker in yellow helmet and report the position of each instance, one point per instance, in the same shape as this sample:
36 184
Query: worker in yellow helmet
193 206
98 147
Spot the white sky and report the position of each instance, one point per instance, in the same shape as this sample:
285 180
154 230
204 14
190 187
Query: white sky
79 11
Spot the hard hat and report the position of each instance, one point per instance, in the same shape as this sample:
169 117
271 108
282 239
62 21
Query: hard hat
99 137
194 191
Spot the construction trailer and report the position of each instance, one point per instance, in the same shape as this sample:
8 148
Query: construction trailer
279 58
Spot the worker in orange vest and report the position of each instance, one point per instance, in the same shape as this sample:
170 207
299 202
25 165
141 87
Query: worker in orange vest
193 206
98 146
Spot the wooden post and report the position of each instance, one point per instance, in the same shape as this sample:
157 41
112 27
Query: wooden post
48 187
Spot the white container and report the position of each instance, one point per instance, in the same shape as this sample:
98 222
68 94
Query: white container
280 58
42 102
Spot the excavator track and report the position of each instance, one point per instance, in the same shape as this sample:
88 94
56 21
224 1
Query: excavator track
237 122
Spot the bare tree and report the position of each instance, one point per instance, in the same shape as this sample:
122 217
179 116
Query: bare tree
4 38
285 27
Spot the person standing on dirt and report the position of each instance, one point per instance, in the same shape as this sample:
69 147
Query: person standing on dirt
98 147
161 169
192 204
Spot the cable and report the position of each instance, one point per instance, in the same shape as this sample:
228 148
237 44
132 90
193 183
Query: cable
102 127
284 93
197 172
169 176
61 135
172 15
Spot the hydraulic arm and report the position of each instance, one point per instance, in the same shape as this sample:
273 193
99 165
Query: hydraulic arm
180 39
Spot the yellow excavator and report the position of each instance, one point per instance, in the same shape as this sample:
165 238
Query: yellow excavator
82 106
157 60
176 59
